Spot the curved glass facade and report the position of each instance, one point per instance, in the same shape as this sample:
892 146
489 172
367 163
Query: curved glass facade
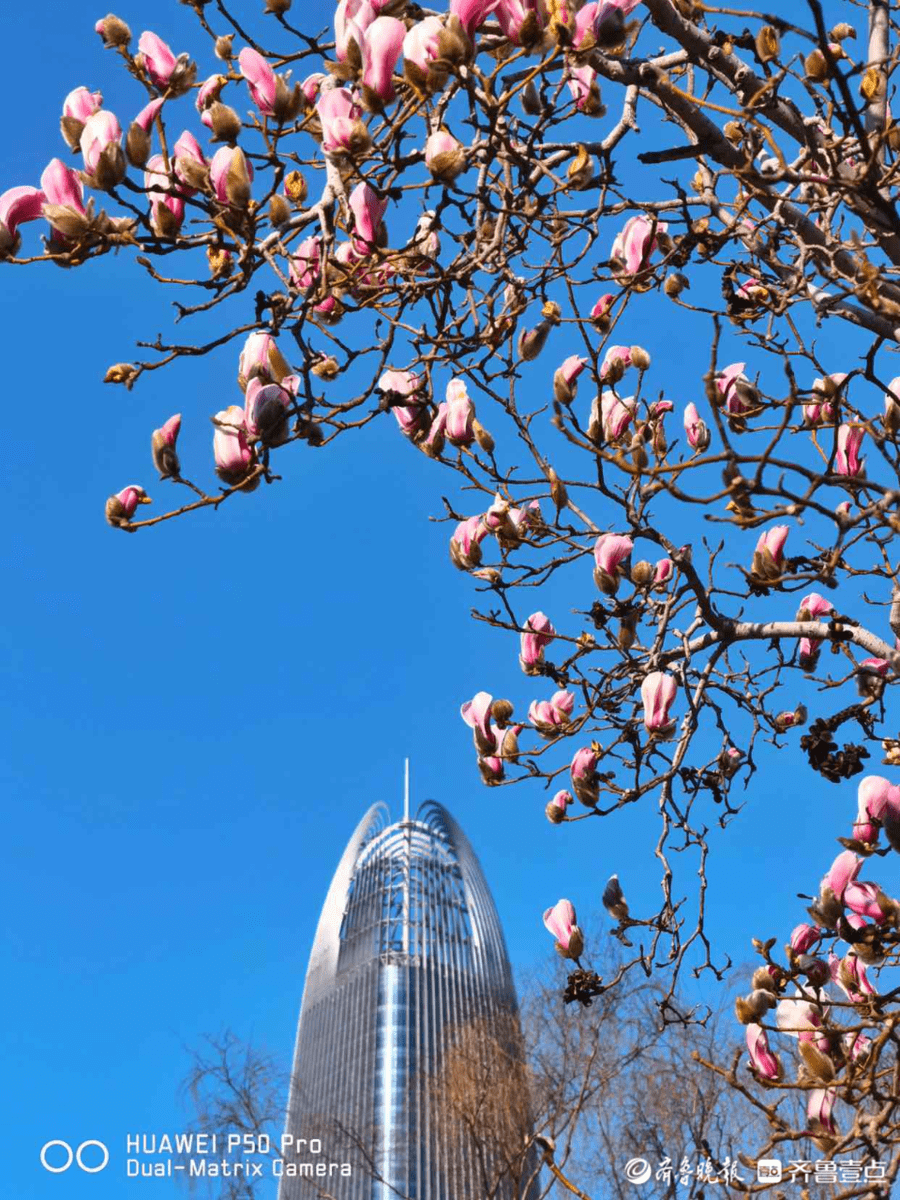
408 958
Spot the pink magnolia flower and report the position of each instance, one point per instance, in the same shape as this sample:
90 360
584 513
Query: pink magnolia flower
421 45
381 44
695 429
465 544
80 104
145 118
100 130
636 242
556 809
849 442
472 13
582 83
800 1018
162 446
159 61
584 775
615 415
657 693
862 898
340 117
311 85
207 95
616 361
561 922
512 15
444 156
230 172
61 185
121 507
609 19
763 1061
822 408
768 558
260 79
611 553
550 716
842 872
158 184
856 1045
600 311
850 976
539 632
351 18
459 415
584 22
739 396
17 205
187 148
304 265
663 573
819 1104
804 937
812 607
477 715
874 795
565 378
231 448
368 212
265 411
261 357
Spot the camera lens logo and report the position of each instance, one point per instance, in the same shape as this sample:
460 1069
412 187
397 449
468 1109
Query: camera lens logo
638 1170
63 1158
769 1170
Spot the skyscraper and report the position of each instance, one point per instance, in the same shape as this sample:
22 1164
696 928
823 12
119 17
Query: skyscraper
408 962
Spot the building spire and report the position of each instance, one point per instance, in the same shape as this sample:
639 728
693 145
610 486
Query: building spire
406 789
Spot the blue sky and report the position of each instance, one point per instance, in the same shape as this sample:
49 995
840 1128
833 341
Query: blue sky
195 718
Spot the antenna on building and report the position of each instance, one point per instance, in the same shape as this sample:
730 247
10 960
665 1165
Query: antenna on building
406 789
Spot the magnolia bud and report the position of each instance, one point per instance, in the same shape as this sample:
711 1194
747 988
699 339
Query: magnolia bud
763 978
277 7
555 814
223 48
749 1009
113 31
532 341
110 168
640 358
558 493
483 437
675 284
531 100
817 1063
279 210
642 573
501 711
614 899
841 32
137 145
224 121
816 66
326 368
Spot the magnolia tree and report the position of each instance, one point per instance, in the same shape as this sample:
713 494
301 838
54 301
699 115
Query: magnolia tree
419 211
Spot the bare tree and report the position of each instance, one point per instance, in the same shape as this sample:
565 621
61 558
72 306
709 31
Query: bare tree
522 221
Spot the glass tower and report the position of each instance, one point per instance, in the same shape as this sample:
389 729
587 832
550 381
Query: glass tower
408 972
